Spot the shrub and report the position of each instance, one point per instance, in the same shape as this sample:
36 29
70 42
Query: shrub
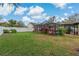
6 31
61 31
13 31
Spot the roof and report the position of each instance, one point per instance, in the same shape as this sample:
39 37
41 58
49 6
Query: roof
70 23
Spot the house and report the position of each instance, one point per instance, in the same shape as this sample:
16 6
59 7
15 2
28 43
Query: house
72 28
47 26
72 24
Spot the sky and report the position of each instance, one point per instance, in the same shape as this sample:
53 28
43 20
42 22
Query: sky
37 12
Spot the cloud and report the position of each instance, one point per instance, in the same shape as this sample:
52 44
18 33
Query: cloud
66 14
62 18
69 7
20 11
36 17
27 20
72 11
60 5
37 10
59 19
6 9
37 13
43 16
3 20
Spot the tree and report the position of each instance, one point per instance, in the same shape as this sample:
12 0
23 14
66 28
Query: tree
52 19
72 19
12 22
20 24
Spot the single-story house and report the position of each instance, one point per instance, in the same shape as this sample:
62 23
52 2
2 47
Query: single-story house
72 28
47 27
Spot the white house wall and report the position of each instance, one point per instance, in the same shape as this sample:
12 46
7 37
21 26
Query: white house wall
19 29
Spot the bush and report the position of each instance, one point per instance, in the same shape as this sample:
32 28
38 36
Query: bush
61 31
13 31
6 31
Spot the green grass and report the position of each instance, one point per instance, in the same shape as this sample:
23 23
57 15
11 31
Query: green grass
37 44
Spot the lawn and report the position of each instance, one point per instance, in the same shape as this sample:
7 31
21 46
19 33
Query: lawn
36 44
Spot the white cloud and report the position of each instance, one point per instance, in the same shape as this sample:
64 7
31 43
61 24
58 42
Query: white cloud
37 10
60 5
31 7
36 17
37 13
72 11
27 20
20 10
47 18
59 19
43 16
62 18
6 9
3 20
65 14
69 7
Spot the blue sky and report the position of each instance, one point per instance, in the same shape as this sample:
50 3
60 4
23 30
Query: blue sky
38 12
